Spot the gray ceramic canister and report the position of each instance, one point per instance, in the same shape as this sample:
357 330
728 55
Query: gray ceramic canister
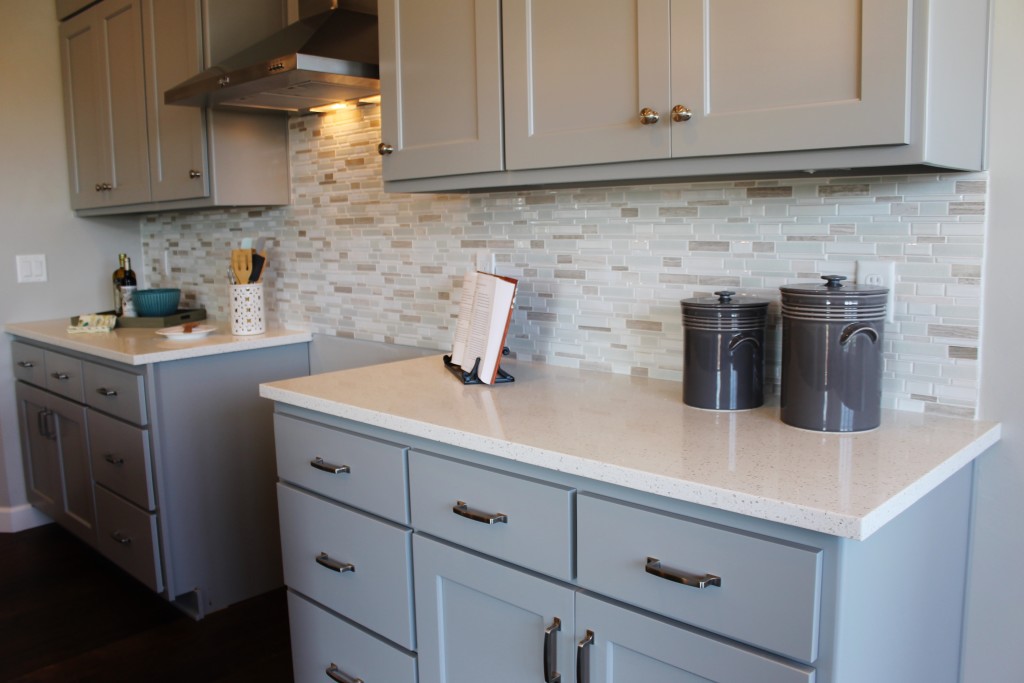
723 351
832 355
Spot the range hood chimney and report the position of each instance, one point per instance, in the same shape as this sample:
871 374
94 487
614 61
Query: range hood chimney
317 61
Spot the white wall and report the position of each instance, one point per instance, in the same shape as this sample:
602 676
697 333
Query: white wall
995 625
35 218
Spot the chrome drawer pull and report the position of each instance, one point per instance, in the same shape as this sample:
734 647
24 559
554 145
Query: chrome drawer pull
654 567
26 364
551 652
462 509
113 459
319 464
324 560
582 660
121 538
62 376
336 674
103 391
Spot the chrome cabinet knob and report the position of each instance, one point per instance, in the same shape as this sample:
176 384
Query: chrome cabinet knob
193 173
102 187
681 113
99 187
384 149
648 116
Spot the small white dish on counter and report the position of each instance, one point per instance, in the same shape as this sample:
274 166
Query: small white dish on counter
178 333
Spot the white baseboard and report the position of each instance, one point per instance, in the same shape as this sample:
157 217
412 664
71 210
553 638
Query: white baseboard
21 517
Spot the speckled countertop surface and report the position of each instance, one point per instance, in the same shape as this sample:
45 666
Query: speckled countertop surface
637 433
142 345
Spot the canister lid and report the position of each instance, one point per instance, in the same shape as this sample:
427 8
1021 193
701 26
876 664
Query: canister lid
723 312
833 287
834 300
724 299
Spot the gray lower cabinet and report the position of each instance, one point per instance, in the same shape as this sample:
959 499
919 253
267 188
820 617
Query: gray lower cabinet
484 569
166 469
478 619
56 459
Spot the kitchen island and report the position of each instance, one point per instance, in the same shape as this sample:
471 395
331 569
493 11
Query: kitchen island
158 453
735 547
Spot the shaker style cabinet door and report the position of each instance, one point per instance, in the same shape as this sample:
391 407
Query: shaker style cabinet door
59 474
619 645
477 620
440 73
42 462
788 75
177 135
105 107
632 80
578 74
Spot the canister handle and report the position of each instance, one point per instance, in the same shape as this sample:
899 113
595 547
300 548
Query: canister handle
853 329
743 338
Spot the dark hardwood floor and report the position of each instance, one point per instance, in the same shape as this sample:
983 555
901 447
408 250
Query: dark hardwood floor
67 614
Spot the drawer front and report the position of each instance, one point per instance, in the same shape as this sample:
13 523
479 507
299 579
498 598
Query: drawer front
128 537
770 589
522 520
29 363
120 458
352 563
321 640
116 392
356 470
64 375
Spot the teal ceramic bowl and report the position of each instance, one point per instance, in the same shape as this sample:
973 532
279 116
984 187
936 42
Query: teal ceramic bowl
151 303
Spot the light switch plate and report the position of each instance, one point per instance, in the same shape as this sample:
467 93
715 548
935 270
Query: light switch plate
31 267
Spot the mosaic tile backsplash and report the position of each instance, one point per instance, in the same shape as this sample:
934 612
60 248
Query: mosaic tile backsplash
601 270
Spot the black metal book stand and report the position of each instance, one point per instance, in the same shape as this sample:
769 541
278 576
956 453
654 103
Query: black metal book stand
473 377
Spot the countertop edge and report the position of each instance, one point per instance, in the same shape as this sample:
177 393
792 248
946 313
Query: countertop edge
71 342
848 526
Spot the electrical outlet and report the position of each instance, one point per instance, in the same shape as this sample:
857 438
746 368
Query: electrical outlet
882 274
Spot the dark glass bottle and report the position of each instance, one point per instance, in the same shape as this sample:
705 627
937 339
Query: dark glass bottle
128 287
118 281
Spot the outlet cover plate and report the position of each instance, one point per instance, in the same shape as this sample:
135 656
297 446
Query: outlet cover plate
882 274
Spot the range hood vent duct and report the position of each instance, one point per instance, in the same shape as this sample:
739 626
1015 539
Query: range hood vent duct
326 58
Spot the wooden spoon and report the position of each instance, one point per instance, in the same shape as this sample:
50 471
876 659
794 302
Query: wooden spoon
241 265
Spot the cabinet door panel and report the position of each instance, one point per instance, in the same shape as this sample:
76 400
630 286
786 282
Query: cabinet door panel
42 463
177 135
81 52
789 75
631 646
576 77
440 87
478 620
72 444
126 104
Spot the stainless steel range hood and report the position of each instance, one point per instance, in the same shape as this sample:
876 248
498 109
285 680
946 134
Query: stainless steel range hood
326 58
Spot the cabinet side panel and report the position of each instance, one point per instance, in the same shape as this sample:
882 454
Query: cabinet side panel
215 470
900 606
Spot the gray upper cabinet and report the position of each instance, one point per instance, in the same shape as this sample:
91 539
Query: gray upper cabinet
642 90
440 87
653 79
129 152
104 105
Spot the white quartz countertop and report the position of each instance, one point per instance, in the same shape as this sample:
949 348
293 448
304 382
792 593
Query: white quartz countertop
637 433
142 345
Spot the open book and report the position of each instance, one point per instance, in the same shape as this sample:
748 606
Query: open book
485 311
